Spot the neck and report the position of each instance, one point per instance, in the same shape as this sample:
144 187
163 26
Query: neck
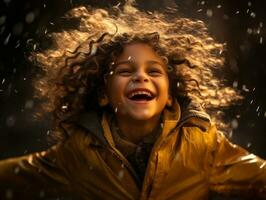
136 130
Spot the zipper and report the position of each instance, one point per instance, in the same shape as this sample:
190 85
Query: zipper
126 163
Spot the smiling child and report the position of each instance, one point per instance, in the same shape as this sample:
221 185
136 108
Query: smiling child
130 92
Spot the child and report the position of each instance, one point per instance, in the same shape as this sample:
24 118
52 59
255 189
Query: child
127 90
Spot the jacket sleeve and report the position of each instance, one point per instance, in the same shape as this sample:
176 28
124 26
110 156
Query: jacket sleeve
35 176
235 171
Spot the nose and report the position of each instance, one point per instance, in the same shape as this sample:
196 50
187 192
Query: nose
140 76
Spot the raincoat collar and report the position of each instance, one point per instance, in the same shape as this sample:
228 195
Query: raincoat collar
192 115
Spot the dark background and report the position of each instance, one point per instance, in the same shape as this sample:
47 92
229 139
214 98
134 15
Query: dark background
240 24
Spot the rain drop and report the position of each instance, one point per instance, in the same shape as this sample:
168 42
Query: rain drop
244 87
16 170
11 120
7 39
249 31
253 15
2 20
121 174
209 13
234 123
219 6
42 194
30 17
9 194
235 84
29 104
261 40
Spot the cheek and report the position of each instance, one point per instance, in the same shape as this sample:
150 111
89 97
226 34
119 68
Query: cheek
164 86
115 88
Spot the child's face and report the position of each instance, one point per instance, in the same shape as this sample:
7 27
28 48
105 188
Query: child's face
138 86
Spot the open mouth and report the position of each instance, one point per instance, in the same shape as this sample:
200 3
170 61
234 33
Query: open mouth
141 95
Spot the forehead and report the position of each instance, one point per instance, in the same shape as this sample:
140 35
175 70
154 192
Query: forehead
138 52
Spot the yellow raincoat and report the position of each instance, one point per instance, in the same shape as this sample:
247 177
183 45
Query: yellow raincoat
190 160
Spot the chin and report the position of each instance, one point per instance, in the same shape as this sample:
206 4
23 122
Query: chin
142 116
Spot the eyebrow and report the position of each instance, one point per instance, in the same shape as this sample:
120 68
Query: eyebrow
132 62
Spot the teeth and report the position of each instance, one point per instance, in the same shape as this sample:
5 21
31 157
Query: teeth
140 93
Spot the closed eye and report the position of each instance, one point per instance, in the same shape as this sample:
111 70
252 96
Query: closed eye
124 72
155 72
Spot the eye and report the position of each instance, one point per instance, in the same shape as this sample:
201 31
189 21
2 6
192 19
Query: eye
124 71
155 72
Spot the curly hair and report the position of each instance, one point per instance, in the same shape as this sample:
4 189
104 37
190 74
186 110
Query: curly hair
74 67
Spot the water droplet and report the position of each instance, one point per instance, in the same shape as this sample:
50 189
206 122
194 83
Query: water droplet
263 164
30 17
253 15
29 104
202 2
116 110
234 123
261 40
235 84
230 135
16 170
209 12
249 3
219 6
11 120
178 84
42 194
248 144
129 58
7 39
237 12
225 17
121 174
111 72
9 194
244 87
249 31
2 20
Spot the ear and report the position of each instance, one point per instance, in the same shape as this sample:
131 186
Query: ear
169 101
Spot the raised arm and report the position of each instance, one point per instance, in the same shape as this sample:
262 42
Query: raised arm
35 176
235 171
